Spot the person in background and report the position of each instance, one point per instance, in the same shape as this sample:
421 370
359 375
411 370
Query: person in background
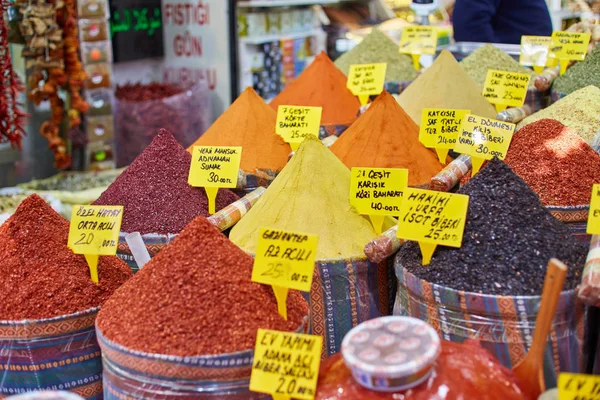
500 21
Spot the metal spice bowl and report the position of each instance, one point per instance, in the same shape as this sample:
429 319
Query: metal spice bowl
59 353
504 325
131 374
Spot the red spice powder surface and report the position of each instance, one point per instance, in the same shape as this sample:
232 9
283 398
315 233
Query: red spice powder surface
196 298
555 162
155 193
40 277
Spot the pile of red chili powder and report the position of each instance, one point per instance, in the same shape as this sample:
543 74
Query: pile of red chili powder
155 193
555 162
40 277
196 298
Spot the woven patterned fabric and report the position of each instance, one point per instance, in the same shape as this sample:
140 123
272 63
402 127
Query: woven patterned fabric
503 324
51 354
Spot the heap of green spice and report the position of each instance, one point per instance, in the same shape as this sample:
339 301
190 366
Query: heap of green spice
489 57
376 47
581 74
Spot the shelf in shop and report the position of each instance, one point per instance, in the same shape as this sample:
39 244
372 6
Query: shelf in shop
279 36
283 3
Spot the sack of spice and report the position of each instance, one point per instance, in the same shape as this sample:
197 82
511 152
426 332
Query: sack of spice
142 109
311 194
489 289
250 122
321 84
560 167
185 325
48 305
157 199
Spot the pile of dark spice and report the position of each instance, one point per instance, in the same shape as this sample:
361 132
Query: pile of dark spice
555 162
580 75
40 277
508 240
155 192
141 109
196 297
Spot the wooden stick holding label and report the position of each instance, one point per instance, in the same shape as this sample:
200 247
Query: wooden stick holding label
285 260
569 46
214 167
418 40
366 80
94 232
506 89
431 219
535 51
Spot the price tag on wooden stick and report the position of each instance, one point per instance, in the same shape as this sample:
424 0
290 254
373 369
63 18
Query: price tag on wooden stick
377 192
93 232
483 139
285 260
567 46
439 129
505 89
578 386
366 80
286 365
535 51
417 40
295 123
593 222
214 167
432 218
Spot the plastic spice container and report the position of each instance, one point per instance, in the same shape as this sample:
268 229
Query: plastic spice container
391 354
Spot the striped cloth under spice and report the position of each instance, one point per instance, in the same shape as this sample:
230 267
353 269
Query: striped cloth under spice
230 215
589 290
451 175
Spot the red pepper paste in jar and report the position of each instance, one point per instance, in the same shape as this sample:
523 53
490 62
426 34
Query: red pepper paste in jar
398 358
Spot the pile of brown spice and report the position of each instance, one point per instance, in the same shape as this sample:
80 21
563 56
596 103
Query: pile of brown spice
555 162
196 298
40 277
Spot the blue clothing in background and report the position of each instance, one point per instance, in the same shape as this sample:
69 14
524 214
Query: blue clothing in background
500 21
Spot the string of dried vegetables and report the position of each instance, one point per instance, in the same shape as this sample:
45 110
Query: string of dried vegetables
12 119
52 52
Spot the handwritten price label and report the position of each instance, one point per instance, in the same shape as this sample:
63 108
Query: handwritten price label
295 123
214 167
439 129
365 80
578 387
418 40
504 88
483 139
593 223
535 51
285 259
286 364
432 218
94 231
570 45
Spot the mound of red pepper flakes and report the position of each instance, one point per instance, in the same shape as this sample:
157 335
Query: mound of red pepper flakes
196 298
462 371
40 277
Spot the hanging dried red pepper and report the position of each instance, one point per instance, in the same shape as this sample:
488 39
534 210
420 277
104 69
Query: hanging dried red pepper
12 119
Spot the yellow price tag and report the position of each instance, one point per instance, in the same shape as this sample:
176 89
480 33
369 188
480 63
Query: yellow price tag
417 40
285 260
593 223
286 365
578 387
535 51
294 123
377 192
214 167
504 88
94 231
483 139
432 218
439 129
568 46
365 80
